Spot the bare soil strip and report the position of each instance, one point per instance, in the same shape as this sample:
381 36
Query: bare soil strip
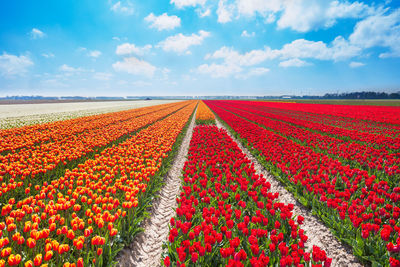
318 234
146 249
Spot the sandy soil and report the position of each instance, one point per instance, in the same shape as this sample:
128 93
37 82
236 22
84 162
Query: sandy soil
146 249
318 234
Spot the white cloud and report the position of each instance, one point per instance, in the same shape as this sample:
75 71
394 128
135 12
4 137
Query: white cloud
135 66
126 9
36 34
94 53
379 30
253 72
48 55
309 15
11 65
180 43
163 22
185 3
224 11
66 68
129 49
203 14
253 57
294 62
102 76
219 70
246 34
339 49
291 55
355 64
301 15
262 7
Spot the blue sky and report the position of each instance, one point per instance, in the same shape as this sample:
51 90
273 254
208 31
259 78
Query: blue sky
198 47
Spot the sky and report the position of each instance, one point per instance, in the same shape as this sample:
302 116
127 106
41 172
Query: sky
198 47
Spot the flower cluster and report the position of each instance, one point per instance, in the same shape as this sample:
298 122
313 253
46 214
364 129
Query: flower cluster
361 207
227 215
204 115
83 217
381 162
44 151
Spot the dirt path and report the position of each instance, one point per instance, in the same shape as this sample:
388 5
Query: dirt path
318 234
146 249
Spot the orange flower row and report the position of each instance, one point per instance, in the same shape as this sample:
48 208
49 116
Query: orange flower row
18 170
13 139
75 218
204 115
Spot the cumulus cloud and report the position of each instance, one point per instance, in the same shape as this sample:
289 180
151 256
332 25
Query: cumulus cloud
163 22
224 11
247 34
291 55
253 57
203 13
125 8
181 43
339 49
381 30
294 62
185 3
36 34
261 7
300 15
11 65
129 49
135 66
94 53
69 69
355 64
303 16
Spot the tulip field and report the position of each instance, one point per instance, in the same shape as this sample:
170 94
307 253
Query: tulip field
74 192
227 216
79 191
340 161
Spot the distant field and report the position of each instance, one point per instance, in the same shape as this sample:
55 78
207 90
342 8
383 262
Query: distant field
370 102
17 115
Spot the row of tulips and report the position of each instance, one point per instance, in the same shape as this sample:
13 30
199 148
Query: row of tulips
371 114
86 216
227 215
29 136
381 140
342 122
204 115
379 162
47 161
362 210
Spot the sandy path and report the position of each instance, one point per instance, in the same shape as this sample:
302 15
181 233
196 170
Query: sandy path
146 249
318 234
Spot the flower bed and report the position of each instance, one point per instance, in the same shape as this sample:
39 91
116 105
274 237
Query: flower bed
226 214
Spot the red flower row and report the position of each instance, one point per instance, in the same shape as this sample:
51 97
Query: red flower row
226 214
363 210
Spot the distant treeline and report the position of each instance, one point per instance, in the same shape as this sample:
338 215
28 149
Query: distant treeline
363 95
